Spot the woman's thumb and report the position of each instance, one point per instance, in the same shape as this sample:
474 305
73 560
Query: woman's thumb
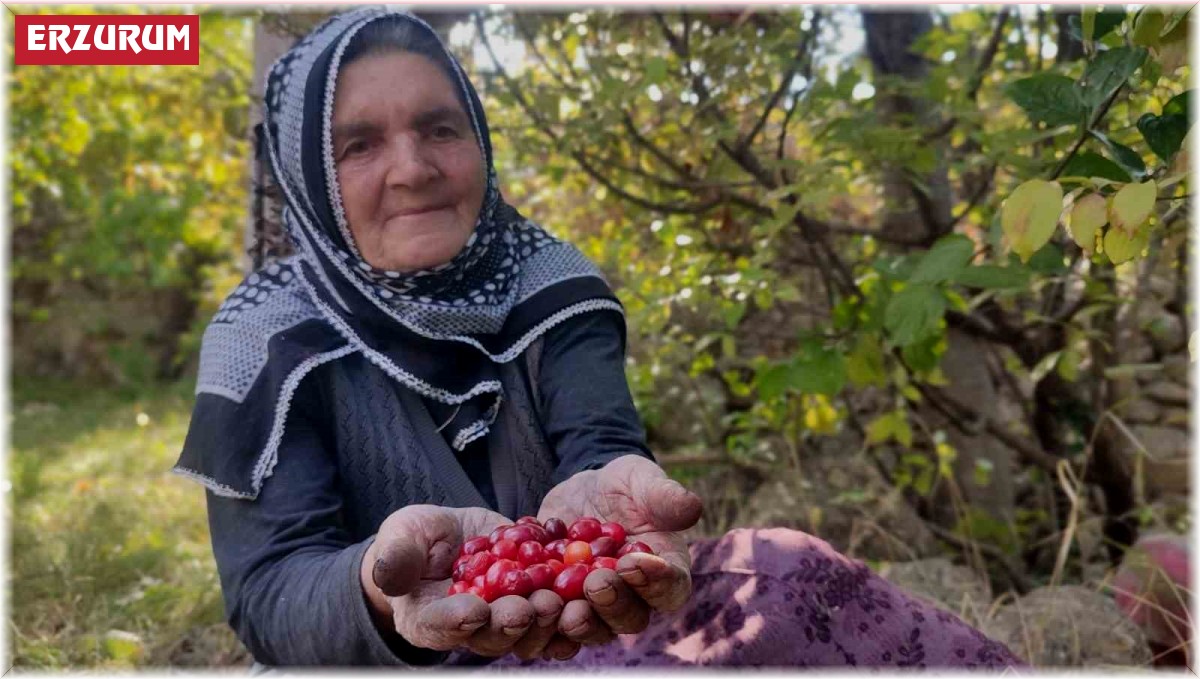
412 544
672 507
399 564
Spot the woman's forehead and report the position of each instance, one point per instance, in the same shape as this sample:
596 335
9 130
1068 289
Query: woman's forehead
388 80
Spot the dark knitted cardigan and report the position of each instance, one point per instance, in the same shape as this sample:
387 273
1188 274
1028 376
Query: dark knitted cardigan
357 446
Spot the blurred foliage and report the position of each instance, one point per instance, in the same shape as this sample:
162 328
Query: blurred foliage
128 182
729 171
615 138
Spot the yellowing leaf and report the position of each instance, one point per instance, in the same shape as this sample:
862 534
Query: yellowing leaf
1030 215
1121 248
1131 206
1087 216
893 425
1181 163
1148 27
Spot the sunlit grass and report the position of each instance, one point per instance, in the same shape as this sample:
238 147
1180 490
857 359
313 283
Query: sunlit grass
111 563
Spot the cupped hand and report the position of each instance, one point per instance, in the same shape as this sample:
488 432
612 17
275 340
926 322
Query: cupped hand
406 573
654 509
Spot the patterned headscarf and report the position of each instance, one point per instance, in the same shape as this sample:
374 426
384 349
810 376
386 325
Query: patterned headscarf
439 332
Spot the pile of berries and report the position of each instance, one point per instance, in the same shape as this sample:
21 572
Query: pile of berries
521 559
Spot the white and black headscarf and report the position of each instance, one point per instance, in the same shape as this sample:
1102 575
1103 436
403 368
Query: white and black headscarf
439 332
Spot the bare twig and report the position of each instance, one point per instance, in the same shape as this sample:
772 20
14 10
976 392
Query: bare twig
1099 115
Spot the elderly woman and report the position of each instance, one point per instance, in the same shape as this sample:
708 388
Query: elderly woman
433 365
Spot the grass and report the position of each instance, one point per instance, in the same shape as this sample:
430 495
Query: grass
111 566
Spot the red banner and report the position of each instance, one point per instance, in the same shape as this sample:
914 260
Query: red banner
107 40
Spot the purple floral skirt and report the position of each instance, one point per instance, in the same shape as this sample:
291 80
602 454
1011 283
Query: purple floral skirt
782 598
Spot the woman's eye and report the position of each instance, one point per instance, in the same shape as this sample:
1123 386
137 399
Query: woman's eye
355 147
444 132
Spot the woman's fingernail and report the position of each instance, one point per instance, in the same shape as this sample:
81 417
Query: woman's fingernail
471 626
577 631
547 620
515 631
633 576
605 596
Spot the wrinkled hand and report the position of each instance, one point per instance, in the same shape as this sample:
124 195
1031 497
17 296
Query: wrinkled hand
406 573
636 493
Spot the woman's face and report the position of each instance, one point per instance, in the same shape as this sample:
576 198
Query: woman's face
408 165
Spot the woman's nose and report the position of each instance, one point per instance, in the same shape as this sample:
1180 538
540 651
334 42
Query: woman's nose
409 164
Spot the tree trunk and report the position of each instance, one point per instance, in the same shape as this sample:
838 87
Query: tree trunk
1069 49
916 213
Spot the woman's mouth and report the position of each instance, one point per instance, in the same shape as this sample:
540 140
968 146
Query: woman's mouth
410 212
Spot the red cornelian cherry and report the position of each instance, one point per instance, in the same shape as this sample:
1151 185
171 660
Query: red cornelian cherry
476 545
613 530
542 575
530 553
555 529
497 571
604 546
604 562
577 552
514 583
458 588
557 565
569 583
495 535
505 549
477 564
632 547
555 548
586 529
529 519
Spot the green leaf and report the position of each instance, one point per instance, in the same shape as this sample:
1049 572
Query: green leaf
1108 71
1089 164
818 370
1044 366
772 381
656 70
1148 27
1126 157
864 365
1173 20
1129 208
1104 20
1087 24
1178 105
947 257
893 425
913 313
1048 98
1048 261
1121 248
1030 214
992 277
1088 214
924 355
1163 134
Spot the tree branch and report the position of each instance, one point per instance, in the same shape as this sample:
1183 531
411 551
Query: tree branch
785 82
1100 113
531 40
540 122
